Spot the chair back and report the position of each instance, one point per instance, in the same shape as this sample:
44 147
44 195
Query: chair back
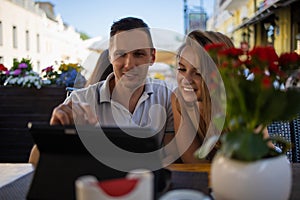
289 130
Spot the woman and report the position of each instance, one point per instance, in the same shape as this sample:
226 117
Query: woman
194 104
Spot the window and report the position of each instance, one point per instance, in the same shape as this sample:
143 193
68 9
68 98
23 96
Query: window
15 39
38 64
27 40
38 43
1 34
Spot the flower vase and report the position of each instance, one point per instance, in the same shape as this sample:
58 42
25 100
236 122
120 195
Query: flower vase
269 178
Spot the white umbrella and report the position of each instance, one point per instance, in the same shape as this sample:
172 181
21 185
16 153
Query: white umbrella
166 43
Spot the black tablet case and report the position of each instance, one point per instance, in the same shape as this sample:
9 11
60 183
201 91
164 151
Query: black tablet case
63 158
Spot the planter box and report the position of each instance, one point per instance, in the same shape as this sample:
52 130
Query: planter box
18 106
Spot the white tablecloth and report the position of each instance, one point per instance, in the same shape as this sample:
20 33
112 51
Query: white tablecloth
10 172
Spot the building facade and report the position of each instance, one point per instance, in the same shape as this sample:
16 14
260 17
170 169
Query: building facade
195 17
31 30
259 22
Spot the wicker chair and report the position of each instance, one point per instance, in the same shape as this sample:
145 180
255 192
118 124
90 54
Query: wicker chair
295 130
290 131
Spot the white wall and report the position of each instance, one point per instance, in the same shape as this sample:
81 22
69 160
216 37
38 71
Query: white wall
57 41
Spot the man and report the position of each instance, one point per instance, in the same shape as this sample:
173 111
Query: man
126 97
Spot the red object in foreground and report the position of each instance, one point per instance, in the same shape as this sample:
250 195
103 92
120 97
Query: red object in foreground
118 187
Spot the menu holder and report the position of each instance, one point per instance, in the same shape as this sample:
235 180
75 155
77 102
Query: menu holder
138 184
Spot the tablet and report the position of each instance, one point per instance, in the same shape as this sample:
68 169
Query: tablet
64 157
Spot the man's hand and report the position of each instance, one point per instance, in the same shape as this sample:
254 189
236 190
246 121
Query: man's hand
71 112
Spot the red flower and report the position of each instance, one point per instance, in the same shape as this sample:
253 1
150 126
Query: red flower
274 68
48 69
266 82
256 71
264 54
224 64
262 62
289 60
3 68
216 46
232 52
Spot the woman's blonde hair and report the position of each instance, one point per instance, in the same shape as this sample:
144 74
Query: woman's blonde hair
210 37
197 40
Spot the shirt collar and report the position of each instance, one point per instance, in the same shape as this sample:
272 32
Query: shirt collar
104 90
104 94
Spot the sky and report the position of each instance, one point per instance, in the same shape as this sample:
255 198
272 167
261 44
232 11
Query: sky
94 17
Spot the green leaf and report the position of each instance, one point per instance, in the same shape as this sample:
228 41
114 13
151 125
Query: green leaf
244 145
274 106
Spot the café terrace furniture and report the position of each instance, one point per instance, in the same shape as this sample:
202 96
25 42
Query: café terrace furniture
183 176
290 131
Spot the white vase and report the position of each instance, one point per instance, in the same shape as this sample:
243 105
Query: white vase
260 180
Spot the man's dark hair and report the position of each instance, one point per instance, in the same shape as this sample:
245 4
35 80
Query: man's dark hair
129 23
126 24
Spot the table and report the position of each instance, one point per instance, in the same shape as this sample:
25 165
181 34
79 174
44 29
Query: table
203 167
10 172
192 176
194 168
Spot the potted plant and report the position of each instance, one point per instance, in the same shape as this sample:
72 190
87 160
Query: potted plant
68 74
247 166
22 74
